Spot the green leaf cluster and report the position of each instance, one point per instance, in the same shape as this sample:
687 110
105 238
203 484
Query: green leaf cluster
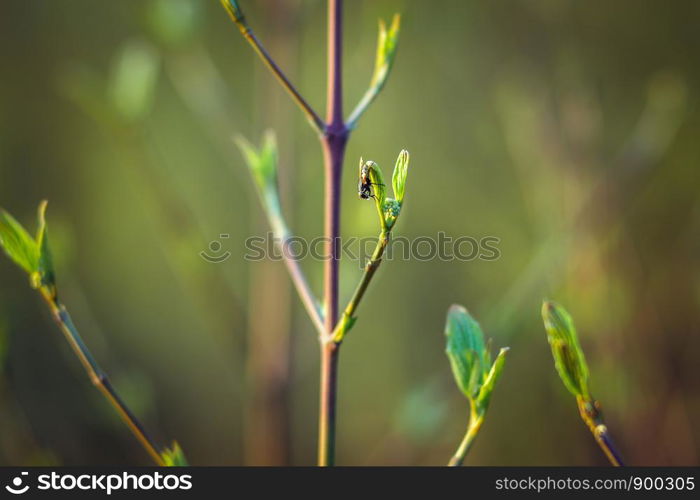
470 358
30 253
174 456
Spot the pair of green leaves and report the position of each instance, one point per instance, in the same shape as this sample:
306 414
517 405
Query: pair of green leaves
30 253
470 358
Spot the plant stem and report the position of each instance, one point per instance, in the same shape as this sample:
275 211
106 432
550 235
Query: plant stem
592 417
334 141
315 120
370 269
328 393
97 376
466 444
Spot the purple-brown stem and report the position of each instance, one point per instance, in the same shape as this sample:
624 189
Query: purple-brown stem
334 141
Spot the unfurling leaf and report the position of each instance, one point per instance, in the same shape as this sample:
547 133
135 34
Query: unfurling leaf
18 243
466 350
398 179
470 359
386 51
484 397
32 255
174 456
261 162
45 267
569 359
387 44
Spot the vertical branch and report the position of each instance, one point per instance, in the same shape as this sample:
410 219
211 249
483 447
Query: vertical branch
334 98
334 142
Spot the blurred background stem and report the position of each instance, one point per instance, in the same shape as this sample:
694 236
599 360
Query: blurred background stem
270 346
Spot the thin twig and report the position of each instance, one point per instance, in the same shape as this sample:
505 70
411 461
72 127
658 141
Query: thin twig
97 376
371 268
313 117
593 418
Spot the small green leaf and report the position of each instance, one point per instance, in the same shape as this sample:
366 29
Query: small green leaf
465 350
45 263
18 244
384 60
569 359
174 456
484 397
398 179
261 162
386 52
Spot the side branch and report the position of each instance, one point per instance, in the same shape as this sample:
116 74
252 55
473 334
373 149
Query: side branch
236 15
347 318
97 376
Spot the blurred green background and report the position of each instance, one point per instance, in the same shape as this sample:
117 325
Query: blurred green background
567 129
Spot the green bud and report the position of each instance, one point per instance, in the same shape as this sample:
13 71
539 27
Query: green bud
32 255
387 44
18 244
45 269
569 359
174 456
392 209
262 162
398 179
484 397
470 358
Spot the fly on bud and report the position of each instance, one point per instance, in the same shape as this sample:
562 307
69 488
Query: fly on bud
369 177
371 185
